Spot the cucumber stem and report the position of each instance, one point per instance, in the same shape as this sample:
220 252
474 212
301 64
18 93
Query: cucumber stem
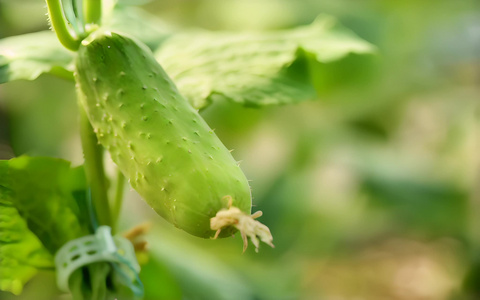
94 170
93 11
60 26
117 200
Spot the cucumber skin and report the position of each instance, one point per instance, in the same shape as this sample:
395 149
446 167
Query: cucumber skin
170 155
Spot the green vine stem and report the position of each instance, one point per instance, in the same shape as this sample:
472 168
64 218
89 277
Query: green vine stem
93 11
117 200
93 154
60 26
475 195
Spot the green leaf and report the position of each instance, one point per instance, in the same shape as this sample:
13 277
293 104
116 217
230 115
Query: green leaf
49 195
30 55
21 253
255 68
43 206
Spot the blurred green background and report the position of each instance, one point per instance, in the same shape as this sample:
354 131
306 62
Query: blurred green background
371 192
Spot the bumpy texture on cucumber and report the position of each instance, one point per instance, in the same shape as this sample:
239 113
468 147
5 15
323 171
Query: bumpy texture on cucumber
170 155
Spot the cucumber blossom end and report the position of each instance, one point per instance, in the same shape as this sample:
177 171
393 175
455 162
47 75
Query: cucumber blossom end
245 223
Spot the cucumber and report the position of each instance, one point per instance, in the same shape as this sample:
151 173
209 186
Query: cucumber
160 142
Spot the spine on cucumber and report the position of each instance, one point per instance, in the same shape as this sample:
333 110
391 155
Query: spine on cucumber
160 143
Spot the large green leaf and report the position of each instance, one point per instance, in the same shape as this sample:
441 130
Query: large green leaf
21 253
49 195
250 68
43 205
40 209
30 55
255 68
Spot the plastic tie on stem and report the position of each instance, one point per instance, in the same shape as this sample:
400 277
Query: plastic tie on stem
99 247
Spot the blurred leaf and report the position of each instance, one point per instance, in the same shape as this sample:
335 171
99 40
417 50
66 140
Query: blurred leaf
418 203
199 275
471 281
21 253
352 73
139 24
255 68
30 55
152 274
44 192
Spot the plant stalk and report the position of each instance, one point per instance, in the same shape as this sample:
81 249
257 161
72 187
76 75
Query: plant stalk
60 26
92 11
117 200
475 194
94 169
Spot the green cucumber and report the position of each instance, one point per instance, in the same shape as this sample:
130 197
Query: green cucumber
160 143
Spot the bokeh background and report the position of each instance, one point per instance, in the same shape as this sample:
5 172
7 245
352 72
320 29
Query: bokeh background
371 192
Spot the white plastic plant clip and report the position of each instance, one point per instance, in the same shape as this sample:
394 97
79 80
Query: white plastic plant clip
98 247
